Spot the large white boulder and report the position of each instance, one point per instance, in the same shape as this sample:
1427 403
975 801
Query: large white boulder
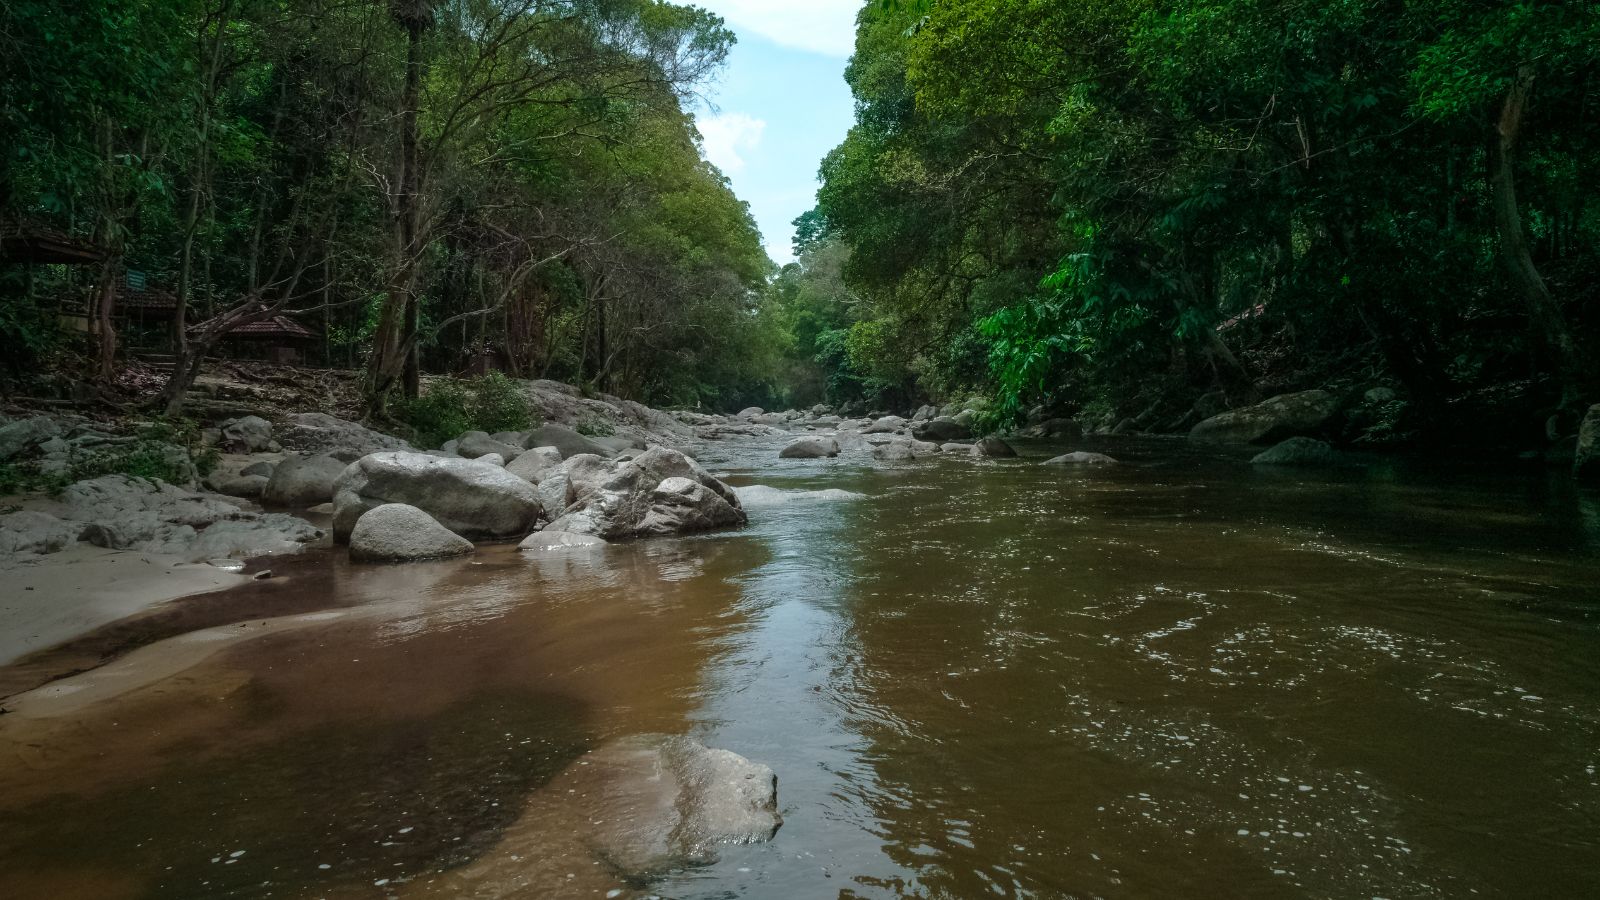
302 481
471 498
810 448
1285 415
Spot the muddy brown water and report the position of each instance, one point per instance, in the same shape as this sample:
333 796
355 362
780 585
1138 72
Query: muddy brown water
1175 678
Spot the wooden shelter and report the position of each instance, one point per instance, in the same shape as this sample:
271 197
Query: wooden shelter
278 339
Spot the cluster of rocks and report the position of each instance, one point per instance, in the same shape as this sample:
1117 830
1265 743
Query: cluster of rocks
121 512
575 490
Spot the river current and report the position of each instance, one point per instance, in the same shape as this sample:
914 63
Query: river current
1176 677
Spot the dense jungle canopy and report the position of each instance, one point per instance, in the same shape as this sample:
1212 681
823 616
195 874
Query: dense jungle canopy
1111 208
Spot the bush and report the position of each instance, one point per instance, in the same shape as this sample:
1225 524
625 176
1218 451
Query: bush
451 406
595 428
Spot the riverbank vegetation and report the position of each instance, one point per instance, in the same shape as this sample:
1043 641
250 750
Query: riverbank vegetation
418 185
1118 208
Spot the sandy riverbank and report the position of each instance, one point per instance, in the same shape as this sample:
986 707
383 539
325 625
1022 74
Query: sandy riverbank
50 599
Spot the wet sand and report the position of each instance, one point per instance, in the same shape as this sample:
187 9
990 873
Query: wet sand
54 598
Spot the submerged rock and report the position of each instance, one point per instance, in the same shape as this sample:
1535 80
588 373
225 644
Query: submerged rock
810 448
559 542
1285 415
662 802
764 495
395 532
471 498
1298 451
1080 458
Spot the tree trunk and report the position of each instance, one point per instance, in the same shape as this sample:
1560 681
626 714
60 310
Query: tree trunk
1542 307
105 302
391 350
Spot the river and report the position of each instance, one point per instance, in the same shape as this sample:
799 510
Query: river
1178 677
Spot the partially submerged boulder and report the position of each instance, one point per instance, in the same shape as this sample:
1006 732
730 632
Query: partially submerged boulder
1298 451
992 448
559 542
473 499
395 532
1285 415
659 492
1057 429
249 487
301 481
810 448
1080 458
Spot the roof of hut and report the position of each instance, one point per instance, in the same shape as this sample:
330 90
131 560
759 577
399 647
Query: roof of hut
28 243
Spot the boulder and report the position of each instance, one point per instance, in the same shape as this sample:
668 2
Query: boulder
27 531
493 459
320 433
940 429
568 442
1379 395
250 434
749 412
924 413
965 418
395 532
894 451
1056 429
301 481
471 498
24 434
1586 456
1298 451
810 448
475 444
955 447
534 464
259 467
559 542
1081 458
772 418
993 448
249 487
555 493
1285 415
659 492
616 443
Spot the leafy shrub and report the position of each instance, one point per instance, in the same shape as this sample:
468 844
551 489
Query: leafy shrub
595 428
451 406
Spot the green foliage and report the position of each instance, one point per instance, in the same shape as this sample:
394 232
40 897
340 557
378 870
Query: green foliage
1128 203
452 406
595 428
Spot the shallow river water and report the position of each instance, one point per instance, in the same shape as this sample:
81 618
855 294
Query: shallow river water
1174 678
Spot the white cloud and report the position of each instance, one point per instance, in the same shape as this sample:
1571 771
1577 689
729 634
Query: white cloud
725 135
820 26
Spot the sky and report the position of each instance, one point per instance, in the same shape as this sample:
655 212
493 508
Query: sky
779 105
